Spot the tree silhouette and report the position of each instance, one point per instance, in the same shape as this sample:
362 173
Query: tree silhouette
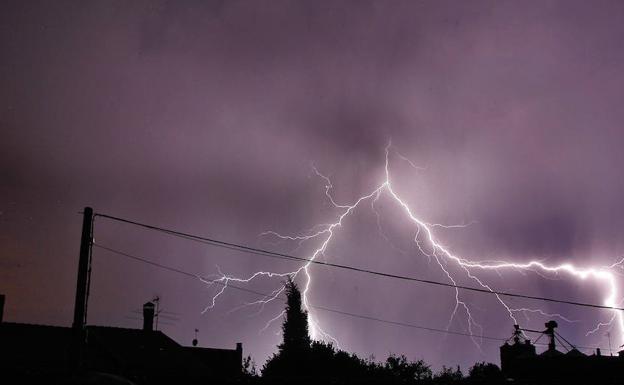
295 328
448 376
400 368
485 373
292 358
303 361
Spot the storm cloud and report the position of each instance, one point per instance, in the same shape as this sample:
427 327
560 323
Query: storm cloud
206 116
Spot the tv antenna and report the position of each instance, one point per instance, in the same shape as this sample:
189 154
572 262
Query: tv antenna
195 339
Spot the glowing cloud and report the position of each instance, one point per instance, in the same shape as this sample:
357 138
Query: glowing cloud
429 246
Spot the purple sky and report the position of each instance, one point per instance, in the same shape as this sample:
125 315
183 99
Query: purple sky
207 116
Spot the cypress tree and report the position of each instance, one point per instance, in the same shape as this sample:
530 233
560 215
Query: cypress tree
292 359
296 338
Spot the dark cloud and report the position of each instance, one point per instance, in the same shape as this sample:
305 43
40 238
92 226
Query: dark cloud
206 116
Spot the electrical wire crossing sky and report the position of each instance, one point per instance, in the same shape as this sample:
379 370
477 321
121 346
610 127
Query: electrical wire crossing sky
203 115
429 246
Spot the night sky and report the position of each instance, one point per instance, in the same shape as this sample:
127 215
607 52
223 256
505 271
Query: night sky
209 116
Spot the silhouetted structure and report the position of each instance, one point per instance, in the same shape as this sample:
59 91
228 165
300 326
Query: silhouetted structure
144 356
84 269
224 363
521 363
29 351
1 306
148 316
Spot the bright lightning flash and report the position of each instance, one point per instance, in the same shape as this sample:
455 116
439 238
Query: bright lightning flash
428 245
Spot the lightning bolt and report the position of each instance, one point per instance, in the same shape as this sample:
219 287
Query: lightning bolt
525 310
428 244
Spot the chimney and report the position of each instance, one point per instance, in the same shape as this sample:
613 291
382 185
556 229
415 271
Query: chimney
1 306
239 353
148 316
550 332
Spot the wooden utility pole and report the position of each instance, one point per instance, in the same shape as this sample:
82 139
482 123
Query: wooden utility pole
84 265
82 287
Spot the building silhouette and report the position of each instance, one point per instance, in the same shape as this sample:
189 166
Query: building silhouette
34 352
521 363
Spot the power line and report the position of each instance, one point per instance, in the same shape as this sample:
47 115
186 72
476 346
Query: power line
322 308
405 324
272 254
172 269
336 311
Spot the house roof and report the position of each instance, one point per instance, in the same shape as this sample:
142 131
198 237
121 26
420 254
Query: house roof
551 353
133 353
135 349
41 344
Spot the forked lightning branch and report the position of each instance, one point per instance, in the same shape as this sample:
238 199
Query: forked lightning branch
427 243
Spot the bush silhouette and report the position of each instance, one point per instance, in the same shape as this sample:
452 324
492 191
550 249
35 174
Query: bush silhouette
485 373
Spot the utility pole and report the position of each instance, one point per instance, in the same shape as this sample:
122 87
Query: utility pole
1 306
82 286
